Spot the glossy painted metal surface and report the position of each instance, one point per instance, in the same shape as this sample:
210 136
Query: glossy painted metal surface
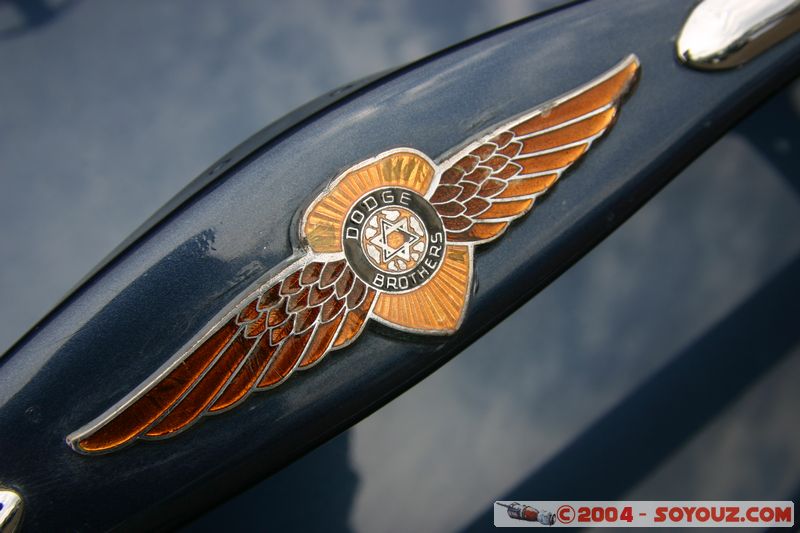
235 453
667 297
722 34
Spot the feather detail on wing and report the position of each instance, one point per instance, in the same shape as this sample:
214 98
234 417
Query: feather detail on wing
492 182
289 323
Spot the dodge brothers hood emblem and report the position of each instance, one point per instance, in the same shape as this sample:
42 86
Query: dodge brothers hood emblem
390 239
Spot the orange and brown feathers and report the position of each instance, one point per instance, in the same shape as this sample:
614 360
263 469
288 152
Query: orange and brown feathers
484 188
290 324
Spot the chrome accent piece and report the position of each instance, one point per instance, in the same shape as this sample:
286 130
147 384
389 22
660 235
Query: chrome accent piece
722 34
321 297
10 511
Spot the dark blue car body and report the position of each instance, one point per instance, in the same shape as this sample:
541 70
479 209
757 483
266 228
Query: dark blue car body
663 365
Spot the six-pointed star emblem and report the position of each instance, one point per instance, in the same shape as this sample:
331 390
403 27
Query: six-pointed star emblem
395 239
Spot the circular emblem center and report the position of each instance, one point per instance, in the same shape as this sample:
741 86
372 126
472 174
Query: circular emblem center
393 239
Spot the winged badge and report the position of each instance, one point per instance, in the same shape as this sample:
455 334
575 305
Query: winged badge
391 239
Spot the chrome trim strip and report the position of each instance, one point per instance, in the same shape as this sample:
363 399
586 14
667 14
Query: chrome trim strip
722 34
10 511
